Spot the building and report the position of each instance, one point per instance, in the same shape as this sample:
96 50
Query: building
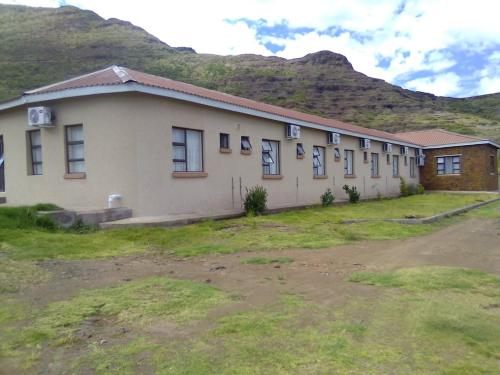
455 161
164 147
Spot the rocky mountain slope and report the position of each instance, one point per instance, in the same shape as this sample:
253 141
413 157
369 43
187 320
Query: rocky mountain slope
43 45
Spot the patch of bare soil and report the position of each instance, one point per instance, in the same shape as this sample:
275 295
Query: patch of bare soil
317 275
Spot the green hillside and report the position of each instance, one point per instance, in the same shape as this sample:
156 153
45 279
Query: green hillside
43 45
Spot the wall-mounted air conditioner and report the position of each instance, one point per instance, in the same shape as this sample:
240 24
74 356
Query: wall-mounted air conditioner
387 147
292 131
364 143
420 160
404 150
40 117
332 138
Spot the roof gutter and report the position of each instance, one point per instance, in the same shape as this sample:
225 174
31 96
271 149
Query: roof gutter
167 93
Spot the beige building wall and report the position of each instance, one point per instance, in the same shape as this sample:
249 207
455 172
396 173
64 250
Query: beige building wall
128 152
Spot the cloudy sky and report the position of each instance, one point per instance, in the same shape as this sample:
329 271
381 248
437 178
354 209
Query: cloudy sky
446 47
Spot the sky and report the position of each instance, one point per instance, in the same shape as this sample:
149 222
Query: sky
445 47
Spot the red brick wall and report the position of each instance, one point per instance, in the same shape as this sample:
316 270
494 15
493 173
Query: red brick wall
475 168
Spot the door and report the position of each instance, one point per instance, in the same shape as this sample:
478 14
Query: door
2 167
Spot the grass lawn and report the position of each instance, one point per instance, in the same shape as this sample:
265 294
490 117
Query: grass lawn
23 239
421 320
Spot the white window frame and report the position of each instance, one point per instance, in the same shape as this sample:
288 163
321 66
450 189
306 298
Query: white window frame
69 160
36 165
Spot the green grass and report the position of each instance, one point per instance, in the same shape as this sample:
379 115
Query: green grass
138 302
425 327
24 238
264 260
15 275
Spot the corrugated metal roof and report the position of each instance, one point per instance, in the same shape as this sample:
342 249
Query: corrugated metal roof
115 75
437 137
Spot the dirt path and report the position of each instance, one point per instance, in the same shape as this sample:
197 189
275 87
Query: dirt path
317 274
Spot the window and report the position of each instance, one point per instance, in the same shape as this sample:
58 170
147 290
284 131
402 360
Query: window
270 157
395 166
406 161
412 166
365 157
300 150
374 165
336 153
75 151
448 164
187 149
35 144
319 161
492 164
2 166
388 157
348 162
245 143
224 141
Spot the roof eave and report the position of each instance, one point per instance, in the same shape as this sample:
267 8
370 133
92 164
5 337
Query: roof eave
157 91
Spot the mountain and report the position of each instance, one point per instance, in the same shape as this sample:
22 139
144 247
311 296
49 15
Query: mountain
44 45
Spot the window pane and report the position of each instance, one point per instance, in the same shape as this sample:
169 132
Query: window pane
37 169
245 143
194 151
76 167
300 149
75 151
224 140
178 135
36 154
448 165
179 166
35 138
440 160
179 152
75 133
266 146
316 151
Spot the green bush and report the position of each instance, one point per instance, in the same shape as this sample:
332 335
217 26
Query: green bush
353 193
46 207
255 200
327 198
25 217
403 187
420 189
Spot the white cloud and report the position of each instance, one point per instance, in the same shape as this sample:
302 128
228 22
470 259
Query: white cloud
412 41
446 84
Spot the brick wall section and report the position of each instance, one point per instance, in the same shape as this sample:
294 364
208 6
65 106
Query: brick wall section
475 167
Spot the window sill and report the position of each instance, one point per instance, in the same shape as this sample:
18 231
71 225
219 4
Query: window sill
349 176
300 157
189 174
337 159
376 176
272 176
320 177
225 150
398 176
365 161
75 176
448 174
246 152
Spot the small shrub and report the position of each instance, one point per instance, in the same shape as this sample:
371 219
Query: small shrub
353 193
403 187
46 207
327 198
420 189
255 200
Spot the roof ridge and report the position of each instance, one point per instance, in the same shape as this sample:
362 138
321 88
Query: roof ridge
462 135
122 73
34 91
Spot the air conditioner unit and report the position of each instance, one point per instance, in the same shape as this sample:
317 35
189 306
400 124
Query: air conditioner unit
40 117
421 160
420 152
333 138
404 150
292 131
364 143
387 147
